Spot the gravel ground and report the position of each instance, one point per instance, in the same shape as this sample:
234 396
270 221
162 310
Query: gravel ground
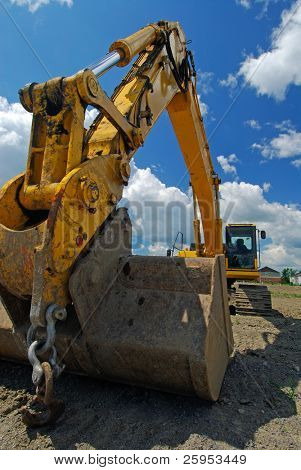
259 406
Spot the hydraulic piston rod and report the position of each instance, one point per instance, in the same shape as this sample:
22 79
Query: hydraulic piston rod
123 51
105 64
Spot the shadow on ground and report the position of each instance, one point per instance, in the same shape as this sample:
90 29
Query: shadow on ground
109 416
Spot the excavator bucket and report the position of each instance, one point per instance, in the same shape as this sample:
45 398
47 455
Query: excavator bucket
156 322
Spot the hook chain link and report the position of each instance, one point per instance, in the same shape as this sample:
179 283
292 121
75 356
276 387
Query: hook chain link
44 373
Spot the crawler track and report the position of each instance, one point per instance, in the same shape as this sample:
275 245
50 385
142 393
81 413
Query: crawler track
251 299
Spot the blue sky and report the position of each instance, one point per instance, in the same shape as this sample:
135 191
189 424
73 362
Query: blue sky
257 142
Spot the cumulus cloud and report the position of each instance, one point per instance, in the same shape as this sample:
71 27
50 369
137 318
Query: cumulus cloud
204 107
285 145
248 3
34 5
266 187
253 124
15 125
158 212
205 82
297 163
90 116
244 3
284 126
227 163
158 249
240 203
273 71
231 81
282 222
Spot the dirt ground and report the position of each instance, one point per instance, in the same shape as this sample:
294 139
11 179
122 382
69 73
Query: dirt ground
259 406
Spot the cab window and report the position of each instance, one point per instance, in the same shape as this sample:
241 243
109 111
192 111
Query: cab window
241 247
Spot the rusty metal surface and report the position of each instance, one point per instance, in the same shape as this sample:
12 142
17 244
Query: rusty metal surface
159 322
148 321
52 407
14 321
18 237
152 334
17 259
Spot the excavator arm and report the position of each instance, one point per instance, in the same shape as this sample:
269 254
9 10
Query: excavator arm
51 215
153 85
75 178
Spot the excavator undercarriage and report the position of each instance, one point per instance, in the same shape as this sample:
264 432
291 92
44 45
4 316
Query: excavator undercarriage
250 299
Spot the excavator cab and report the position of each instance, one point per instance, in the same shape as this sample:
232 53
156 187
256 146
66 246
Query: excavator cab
241 247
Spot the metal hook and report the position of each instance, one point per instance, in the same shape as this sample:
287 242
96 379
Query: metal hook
53 407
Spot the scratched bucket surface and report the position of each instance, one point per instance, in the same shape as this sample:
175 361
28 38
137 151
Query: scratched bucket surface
161 322
157 322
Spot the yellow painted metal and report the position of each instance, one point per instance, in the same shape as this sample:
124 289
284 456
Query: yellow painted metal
243 274
137 42
74 177
186 118
187 253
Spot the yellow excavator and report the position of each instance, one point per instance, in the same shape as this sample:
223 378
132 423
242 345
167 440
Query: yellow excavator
72 293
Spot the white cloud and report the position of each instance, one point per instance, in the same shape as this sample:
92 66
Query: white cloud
158 249
240 203
227 163
158 212
204 107
253 124
266 187
285 145
231 81
245 3
272 72
15 125
248 3
34 5
264 4
297 163
285 125
282 222
90 116
205 82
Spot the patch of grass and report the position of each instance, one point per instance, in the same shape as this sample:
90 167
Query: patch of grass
286 295
290 391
